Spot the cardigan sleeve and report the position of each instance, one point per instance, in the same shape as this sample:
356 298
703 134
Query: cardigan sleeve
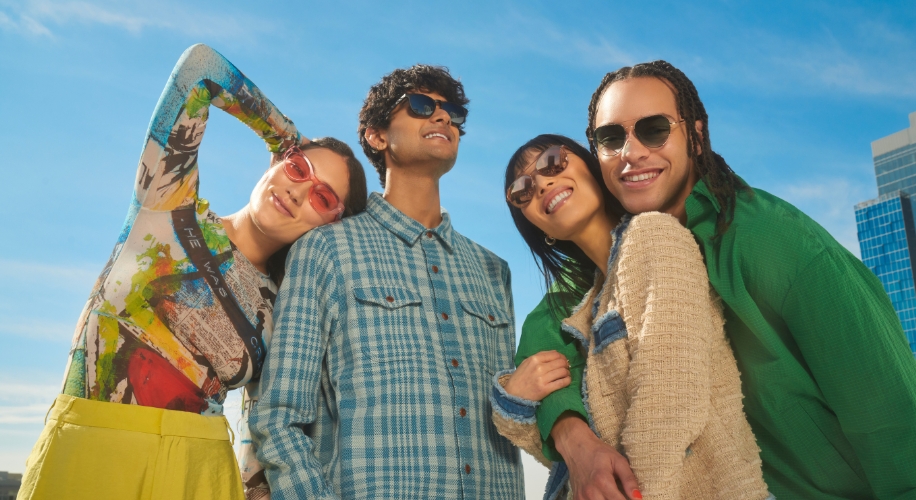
665 300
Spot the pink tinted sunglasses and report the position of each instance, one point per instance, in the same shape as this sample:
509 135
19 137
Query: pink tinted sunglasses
321 196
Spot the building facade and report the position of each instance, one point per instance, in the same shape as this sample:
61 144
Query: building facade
9 485
885 225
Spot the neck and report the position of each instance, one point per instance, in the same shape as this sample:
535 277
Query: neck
256 246
415 196
595 240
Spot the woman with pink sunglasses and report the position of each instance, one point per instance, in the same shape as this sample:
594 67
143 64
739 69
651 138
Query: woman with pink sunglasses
181 313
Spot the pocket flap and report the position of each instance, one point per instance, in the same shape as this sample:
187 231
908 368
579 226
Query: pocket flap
388 297
607 329
492 315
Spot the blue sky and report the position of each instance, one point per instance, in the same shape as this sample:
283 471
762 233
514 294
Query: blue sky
796 92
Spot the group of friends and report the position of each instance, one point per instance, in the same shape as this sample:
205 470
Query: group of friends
699 339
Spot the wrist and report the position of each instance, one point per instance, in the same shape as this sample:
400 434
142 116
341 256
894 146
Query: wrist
568 430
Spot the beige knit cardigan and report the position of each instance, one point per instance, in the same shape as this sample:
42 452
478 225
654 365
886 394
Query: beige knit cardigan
667 392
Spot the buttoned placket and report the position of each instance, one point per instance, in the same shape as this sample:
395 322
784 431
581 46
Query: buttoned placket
446 306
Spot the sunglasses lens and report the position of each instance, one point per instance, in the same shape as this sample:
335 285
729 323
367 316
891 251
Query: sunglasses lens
521 191
455 112
551 162
323 199
653 131
421 104
297 169
610 138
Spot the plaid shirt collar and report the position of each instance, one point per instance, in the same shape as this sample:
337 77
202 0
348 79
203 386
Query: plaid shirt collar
403 226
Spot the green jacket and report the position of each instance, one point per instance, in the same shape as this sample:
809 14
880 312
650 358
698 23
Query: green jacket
828 378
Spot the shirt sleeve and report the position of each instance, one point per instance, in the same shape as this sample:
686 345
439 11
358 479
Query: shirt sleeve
308 305
167 176
542 332
253 478
665 302
853 343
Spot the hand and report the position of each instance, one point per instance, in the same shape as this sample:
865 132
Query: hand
539 375
595 468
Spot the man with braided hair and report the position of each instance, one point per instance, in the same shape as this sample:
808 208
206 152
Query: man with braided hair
828 379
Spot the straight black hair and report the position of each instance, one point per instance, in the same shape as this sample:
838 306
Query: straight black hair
563 263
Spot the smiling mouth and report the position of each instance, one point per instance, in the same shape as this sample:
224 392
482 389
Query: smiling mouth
557 199
436 134
641 177
280 206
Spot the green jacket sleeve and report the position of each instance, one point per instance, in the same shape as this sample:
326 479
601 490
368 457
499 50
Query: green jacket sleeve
541 332
853 343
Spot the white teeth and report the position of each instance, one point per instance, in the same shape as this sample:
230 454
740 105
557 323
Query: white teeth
557 199
435 134
641 177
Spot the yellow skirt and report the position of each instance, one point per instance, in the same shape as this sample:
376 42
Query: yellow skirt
97 450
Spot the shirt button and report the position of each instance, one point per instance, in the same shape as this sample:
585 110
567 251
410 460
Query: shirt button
491 317
455 363
467 468
389 298
435 269
463 412
444 316
429 234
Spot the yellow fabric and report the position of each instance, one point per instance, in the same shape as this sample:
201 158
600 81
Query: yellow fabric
95 450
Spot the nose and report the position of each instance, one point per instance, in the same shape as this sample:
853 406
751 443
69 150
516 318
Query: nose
633 149
440 115
542 183
297 191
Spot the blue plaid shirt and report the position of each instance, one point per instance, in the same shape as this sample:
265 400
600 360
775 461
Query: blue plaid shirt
386 339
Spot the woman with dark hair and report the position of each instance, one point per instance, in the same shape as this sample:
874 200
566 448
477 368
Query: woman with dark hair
660 382
182 311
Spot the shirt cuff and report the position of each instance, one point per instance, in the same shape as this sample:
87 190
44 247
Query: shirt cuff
511 407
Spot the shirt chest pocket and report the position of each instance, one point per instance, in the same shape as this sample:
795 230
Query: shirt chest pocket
389 323
489 324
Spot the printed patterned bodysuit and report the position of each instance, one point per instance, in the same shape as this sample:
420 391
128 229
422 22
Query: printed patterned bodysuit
153 333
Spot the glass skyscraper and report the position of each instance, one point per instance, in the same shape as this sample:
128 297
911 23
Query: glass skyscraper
887 233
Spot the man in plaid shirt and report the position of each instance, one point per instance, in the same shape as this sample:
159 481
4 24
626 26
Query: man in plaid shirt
389 327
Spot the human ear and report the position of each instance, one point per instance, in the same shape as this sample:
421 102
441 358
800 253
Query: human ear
698 126
376 138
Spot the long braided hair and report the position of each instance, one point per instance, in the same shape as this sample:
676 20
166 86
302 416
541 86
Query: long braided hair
710 166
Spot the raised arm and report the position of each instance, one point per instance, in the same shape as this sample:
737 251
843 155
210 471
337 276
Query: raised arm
305 315
167 174
665 301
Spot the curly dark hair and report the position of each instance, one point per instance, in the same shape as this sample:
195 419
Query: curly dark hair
710 166
383 95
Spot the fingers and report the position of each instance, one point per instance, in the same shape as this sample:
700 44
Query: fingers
625 475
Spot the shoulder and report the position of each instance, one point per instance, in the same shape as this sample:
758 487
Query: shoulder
768 216
478 252
657 232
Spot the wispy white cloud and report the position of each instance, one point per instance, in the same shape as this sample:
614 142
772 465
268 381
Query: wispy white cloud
44 17
522 31
25 403
36 328
80 277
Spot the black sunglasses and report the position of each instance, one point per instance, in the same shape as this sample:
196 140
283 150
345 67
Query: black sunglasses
425 106
652 132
